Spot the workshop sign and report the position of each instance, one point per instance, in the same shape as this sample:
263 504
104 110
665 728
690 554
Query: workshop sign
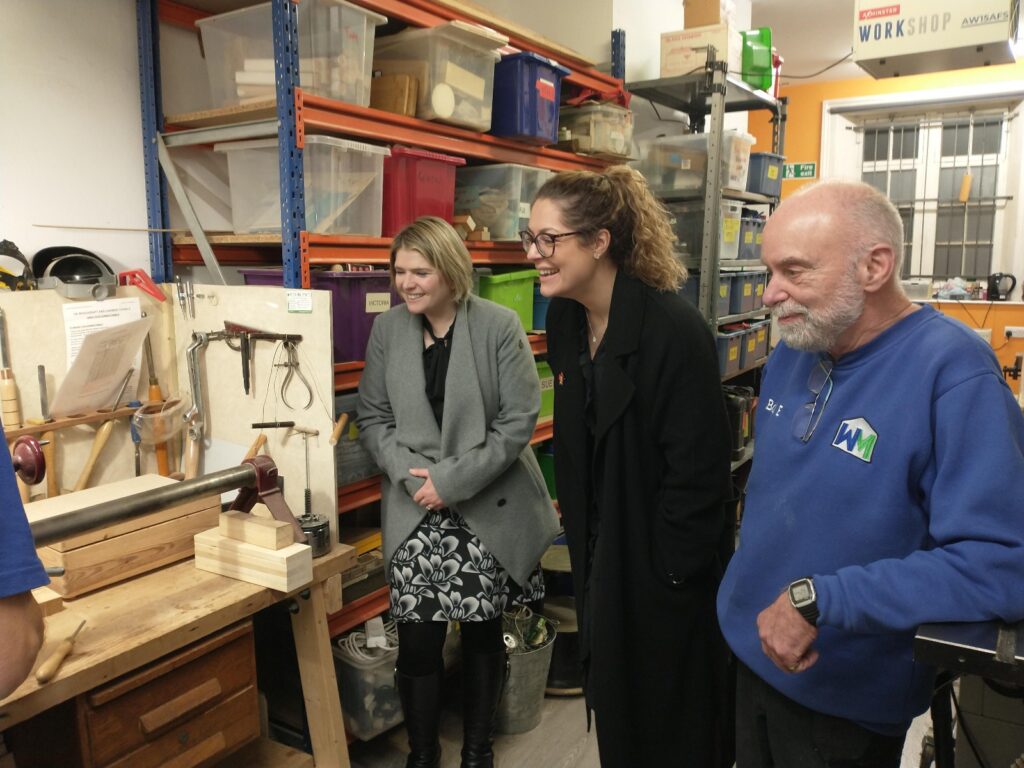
800 171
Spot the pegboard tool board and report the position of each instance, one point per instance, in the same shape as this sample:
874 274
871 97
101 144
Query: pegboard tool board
36 336
229 412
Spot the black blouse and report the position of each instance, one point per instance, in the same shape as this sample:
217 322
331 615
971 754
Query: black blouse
435 368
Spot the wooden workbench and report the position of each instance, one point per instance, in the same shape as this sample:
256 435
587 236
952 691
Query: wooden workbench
138 621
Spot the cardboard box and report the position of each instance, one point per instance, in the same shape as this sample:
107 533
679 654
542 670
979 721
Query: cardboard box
685 51
701 13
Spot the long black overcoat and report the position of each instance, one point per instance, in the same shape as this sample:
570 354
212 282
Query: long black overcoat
645 588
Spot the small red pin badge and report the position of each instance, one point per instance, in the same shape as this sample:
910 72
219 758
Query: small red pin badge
561 379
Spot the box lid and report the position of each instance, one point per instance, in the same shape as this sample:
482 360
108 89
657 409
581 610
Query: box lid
473 35
342 144
508 277
424 154
536 58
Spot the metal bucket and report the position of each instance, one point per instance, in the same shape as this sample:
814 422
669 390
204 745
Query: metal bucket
522 702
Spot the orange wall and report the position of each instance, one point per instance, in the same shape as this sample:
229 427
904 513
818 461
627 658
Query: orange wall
995 316
803 123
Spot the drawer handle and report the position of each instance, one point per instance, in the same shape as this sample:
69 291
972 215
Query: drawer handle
180 707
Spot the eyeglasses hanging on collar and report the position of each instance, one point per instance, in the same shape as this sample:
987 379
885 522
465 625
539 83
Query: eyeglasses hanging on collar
820 384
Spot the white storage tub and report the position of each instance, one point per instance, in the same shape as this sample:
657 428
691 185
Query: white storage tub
498 196
599 129
344 185
680 163
454 66
335 52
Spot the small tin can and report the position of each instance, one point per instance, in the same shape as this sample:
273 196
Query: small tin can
318 533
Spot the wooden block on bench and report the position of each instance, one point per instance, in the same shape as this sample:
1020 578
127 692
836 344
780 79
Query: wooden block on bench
261 531
49 600
284 569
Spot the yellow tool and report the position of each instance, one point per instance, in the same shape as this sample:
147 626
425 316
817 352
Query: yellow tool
163 464
339 427
102 435
49 667
48 439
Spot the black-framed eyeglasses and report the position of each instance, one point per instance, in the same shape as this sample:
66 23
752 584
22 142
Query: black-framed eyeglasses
545 241
807 418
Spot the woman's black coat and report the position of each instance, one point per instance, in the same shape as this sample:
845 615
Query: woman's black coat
659 474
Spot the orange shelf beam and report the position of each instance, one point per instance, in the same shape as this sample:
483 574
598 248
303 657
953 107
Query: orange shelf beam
358 611
346 375
544 431
358 494
337 117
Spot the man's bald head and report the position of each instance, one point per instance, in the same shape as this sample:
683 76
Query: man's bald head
858 216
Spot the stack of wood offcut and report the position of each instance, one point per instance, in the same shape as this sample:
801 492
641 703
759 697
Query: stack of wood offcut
255 549
117 552
468 228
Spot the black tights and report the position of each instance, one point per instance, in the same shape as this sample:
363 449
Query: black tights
420 643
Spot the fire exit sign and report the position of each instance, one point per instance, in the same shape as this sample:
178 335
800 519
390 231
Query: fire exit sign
800 171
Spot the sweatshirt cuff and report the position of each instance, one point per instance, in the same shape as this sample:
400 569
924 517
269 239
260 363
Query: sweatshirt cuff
826 589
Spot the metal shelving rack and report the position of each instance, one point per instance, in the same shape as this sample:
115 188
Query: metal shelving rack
293 112
712 93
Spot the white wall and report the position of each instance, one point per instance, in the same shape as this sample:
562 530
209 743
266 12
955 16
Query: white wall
71 134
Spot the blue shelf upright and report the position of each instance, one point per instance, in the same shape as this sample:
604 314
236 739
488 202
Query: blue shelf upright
293 207
147 27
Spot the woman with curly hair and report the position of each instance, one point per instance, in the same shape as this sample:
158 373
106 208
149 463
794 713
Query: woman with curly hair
448 403
642 468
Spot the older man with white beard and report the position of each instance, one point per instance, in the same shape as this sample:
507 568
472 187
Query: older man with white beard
869 507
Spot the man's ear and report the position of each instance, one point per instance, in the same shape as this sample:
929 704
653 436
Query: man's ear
876 267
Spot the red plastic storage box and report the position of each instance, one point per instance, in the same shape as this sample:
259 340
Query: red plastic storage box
417 183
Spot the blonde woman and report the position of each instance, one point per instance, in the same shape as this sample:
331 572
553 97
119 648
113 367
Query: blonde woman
448 404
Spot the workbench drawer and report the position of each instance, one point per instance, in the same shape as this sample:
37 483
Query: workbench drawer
204 693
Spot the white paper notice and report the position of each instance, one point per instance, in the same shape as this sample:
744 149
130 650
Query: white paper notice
101 359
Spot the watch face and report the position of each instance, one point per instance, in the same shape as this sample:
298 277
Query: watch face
800 592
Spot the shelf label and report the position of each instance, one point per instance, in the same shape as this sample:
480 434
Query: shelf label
299 300
800 171
377 303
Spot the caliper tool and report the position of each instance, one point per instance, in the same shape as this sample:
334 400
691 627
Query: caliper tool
246 336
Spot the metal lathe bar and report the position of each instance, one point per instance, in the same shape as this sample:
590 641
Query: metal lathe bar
59 528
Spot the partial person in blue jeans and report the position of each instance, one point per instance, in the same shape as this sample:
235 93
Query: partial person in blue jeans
21 621
882 428
448 404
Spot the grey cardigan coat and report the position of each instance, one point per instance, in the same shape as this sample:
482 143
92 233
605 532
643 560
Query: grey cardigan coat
480 461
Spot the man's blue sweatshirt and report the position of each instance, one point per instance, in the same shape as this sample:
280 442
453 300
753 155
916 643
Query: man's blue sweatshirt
906 506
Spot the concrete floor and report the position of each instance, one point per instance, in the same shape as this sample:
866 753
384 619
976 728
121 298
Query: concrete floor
560 741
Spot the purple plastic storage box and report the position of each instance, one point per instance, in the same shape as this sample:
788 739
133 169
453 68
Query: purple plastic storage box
356 300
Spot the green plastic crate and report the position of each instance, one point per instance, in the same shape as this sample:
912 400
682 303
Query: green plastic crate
547 466
547 390
513 290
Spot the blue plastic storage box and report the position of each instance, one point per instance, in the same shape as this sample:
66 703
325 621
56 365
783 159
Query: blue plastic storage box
540 308
527 89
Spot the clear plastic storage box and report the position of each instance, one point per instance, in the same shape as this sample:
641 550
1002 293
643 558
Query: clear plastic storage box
343 185
352 461
688 223
599 129
498 197
680 163
454 66
369 698
335 52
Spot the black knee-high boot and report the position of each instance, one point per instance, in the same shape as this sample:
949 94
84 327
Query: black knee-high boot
421 705
483 678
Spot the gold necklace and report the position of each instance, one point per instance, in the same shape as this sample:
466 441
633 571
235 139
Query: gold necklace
593 336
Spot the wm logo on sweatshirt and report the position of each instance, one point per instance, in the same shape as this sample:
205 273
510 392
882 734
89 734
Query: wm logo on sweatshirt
857 438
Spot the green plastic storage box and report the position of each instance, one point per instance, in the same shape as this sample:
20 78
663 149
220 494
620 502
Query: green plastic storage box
513 290
547 390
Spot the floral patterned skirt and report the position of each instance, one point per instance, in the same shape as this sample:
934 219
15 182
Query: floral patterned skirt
443 572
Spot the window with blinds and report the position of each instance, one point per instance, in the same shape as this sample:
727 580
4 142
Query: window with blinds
943 172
